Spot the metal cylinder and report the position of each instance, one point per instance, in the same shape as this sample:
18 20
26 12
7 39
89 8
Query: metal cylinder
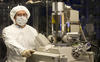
57 17
57 7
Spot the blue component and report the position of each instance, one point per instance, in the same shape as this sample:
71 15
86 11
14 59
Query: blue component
68 24
60 22
88 44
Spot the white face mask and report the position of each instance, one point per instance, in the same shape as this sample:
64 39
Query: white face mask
21 20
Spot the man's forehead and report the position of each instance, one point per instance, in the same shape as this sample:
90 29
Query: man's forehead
21 11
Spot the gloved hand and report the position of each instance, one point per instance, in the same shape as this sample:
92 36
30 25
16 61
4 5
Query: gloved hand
27 53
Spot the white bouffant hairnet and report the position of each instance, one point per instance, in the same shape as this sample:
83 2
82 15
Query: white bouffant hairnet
16 9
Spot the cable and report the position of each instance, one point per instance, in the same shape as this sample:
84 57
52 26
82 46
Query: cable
83 33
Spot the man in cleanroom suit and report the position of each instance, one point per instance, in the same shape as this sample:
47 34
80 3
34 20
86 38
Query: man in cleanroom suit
19 37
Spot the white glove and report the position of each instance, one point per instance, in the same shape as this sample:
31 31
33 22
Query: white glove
27 53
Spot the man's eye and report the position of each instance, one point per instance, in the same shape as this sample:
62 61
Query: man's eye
24 14
19 15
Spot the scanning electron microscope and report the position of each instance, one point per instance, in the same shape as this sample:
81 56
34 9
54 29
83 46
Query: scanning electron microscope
64 44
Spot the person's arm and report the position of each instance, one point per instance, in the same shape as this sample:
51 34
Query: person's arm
11 42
